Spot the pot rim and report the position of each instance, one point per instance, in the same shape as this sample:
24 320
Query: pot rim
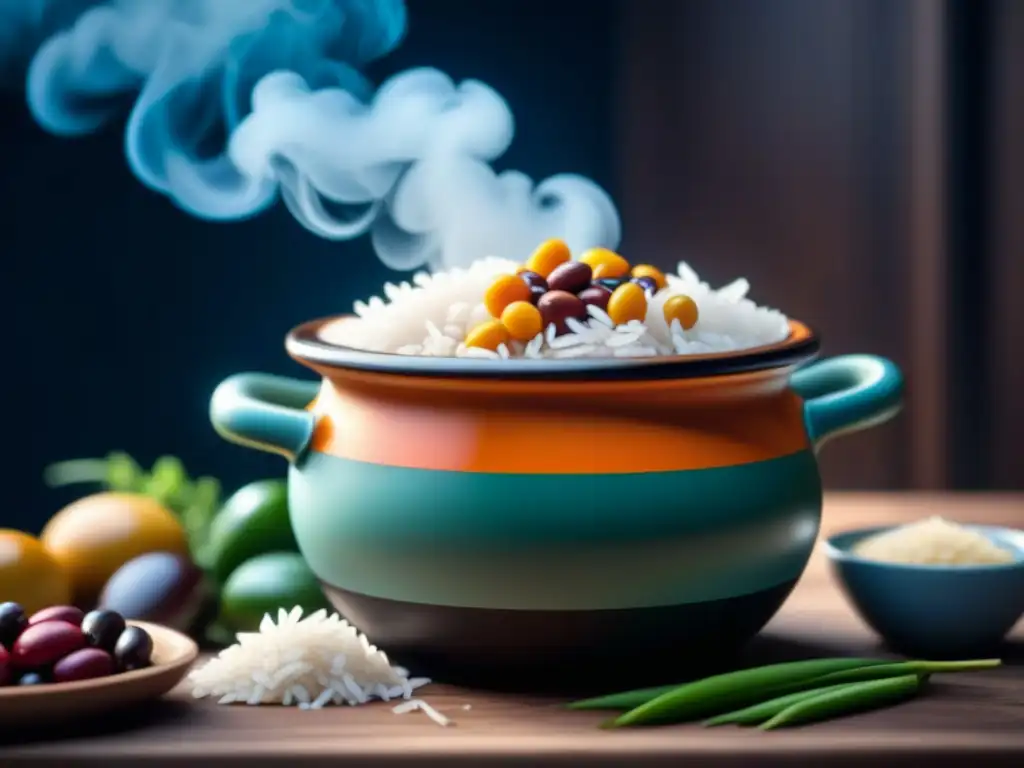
304 344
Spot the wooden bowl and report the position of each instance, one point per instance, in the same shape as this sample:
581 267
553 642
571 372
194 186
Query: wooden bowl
173 654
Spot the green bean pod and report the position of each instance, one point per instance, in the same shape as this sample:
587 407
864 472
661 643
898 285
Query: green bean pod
835 680
628 700
725 692
847 699
624 700
758 713
900 668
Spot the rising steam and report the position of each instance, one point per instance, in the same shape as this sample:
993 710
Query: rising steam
233 102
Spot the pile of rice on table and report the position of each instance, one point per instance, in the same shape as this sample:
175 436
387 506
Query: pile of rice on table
310 663
555 306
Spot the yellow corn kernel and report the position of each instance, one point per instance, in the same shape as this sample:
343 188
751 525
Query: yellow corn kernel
548 255
683 309
627 303
503 291
522 320
490 334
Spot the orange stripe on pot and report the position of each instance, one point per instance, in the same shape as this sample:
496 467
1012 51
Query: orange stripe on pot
558 427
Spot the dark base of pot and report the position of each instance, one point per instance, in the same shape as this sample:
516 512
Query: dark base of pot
561 651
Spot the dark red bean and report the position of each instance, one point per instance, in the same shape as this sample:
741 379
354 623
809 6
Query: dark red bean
558 306
42 644
596 295
5 666
85 664
536 291
649 284
571 277
12 622
533 279
68 613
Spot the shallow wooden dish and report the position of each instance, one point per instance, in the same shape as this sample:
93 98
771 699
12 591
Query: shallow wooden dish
173 654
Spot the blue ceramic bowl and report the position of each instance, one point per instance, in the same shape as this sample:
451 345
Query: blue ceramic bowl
933 611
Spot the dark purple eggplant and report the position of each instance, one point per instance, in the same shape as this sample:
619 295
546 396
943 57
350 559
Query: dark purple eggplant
160 587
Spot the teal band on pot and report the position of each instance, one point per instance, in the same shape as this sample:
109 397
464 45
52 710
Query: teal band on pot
554 542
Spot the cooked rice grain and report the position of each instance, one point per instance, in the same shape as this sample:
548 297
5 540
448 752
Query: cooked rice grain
432 315
414 705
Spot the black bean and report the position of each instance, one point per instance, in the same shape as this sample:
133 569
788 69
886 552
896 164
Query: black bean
133 650
12 621
103 628
649 284
532 279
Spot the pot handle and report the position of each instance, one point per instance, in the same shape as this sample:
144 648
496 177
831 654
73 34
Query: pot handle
265 412
847 394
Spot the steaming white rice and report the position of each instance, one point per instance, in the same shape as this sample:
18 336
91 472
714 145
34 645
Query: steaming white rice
933 541
307 663
432 315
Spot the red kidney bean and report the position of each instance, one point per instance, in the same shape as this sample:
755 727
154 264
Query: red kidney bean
68 613
571 277
84 664
557 306
42 644
597 295
5 666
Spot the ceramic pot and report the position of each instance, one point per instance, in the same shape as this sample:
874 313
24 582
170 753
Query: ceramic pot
523 513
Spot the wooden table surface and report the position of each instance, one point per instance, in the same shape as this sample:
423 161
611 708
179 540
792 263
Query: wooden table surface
979 717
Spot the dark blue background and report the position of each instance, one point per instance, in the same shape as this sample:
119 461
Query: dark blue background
122 313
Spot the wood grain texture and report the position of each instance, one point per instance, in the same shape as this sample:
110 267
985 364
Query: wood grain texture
799 143
1006 276
927 253
978 717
